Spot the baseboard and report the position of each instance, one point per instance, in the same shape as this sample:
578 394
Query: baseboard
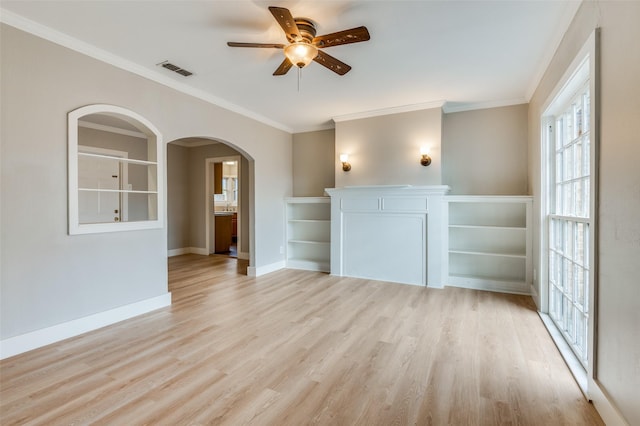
256 271
607 410
535 296
187 250
243 255
45 336
436 285
513 287
178 251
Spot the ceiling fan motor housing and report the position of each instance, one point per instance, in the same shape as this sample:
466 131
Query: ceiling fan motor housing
306 28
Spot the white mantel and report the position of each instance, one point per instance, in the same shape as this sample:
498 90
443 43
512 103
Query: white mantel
390 233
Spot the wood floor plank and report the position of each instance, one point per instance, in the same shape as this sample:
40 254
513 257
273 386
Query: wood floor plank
296 347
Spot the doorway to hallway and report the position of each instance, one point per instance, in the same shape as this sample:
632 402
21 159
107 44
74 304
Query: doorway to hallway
195 200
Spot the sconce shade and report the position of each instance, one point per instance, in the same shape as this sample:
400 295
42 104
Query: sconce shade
300 53
344 159
425 160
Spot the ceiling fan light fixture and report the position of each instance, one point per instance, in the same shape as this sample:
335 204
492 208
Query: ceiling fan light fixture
300 53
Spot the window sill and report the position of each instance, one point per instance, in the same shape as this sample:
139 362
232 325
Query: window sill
576 368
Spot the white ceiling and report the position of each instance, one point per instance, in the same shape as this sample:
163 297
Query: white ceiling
467 53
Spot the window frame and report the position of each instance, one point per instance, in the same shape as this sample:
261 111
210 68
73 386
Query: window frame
585 375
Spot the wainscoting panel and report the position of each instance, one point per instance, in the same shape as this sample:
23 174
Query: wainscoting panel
397 253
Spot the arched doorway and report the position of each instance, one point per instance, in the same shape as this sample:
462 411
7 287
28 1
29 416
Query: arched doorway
194 206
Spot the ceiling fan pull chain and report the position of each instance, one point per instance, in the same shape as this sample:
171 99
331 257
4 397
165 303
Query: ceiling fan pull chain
299 77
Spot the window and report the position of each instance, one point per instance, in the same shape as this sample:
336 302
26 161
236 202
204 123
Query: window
569 217
230 189
115 174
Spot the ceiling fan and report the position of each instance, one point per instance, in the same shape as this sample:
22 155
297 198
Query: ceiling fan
304 46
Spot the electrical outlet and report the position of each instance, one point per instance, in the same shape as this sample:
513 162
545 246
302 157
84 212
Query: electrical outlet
281 250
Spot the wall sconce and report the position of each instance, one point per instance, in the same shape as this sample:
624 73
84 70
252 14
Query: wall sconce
344 159
425 160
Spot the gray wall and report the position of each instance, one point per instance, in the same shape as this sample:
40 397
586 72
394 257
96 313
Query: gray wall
385 150
178 218
49 277
618 316
484 152
313 163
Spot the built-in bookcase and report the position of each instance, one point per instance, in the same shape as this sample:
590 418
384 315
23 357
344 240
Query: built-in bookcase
308 233
490 242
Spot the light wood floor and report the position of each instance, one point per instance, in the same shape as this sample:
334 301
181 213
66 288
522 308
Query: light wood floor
295 348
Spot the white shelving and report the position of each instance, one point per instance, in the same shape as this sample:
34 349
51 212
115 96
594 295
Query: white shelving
490 243
308 233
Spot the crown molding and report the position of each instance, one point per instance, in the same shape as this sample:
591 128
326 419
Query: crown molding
330 125
389 111
447 107
65 40
569 12
450 107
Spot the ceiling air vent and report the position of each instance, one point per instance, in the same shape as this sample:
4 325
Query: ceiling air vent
171 67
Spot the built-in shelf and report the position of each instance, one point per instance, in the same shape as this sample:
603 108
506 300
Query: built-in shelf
308 242
489 253
308 233
489 242
121 159
487 226
124 191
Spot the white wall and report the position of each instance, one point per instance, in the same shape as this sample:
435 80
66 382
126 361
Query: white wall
49 277
385 150
618 316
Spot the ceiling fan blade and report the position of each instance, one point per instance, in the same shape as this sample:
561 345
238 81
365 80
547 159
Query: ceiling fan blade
354 35
284 67
332 63
286 21
271 45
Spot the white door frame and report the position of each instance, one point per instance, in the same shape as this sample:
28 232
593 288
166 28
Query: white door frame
208 202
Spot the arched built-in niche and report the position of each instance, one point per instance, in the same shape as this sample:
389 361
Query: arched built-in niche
115 171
